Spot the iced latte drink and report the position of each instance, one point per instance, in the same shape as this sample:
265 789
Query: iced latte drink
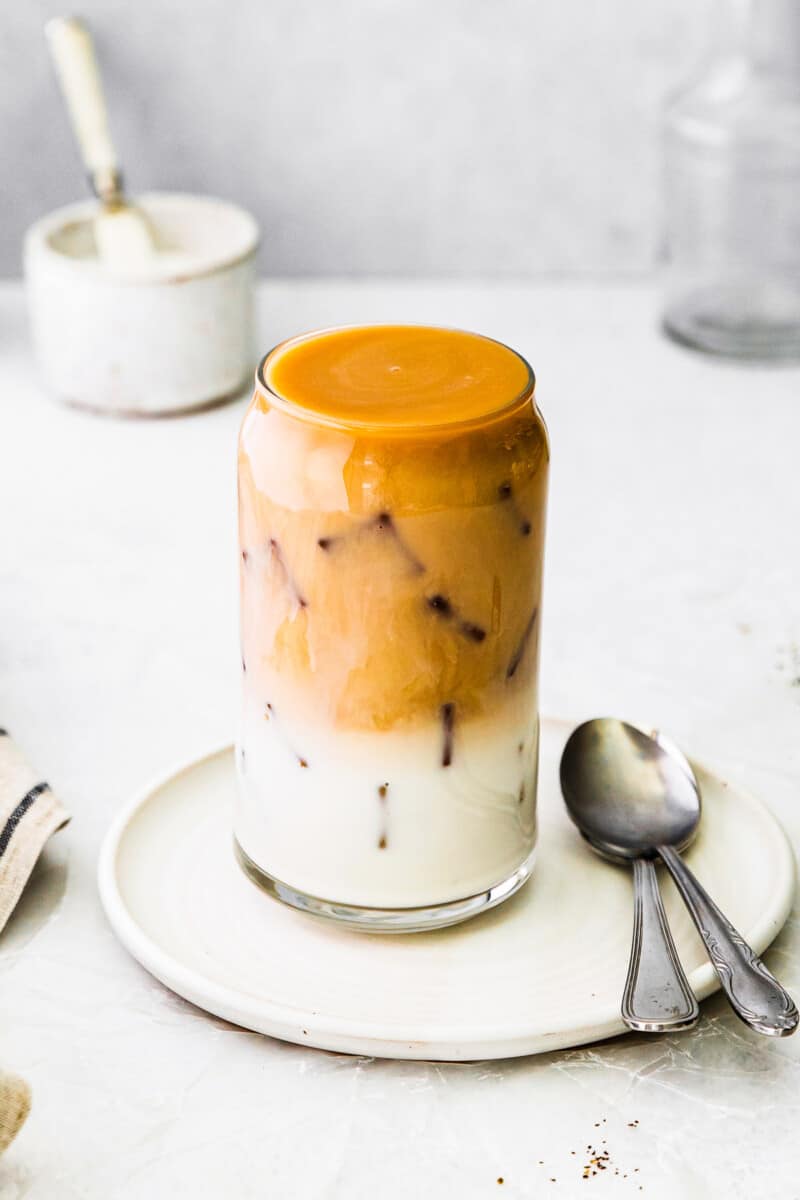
392 491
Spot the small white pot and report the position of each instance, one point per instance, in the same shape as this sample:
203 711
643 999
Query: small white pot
175 335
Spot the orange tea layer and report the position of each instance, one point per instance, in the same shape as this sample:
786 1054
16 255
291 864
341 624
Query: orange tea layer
385 577
398 377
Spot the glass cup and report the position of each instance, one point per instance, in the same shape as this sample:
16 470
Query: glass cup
392 492
732 182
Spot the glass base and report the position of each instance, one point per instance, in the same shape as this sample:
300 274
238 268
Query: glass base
757 324
386 920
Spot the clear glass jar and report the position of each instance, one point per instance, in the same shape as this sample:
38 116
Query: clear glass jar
391 572
732 191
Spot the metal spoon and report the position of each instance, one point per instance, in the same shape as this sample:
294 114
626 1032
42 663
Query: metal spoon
634 796
657 996
121 230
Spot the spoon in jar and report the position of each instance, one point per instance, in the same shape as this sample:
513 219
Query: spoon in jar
634 797
122 233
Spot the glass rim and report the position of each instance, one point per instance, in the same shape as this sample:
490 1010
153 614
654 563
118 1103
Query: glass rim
314 417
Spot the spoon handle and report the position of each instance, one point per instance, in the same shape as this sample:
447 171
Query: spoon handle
756 996
657 996
72 50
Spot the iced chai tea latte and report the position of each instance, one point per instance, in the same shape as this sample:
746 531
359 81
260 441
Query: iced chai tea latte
392 491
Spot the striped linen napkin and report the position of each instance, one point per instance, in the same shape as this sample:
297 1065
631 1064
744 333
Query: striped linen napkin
29 814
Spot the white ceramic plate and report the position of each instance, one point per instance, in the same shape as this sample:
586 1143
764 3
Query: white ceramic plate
543 971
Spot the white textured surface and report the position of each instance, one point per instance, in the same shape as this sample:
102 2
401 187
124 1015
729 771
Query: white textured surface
671 594
434 136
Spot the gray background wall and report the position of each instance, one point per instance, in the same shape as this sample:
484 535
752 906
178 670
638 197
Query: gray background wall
443 137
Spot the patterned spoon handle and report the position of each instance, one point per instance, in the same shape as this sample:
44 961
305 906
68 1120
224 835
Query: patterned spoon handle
756 996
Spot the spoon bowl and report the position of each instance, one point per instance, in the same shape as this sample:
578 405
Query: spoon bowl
629 791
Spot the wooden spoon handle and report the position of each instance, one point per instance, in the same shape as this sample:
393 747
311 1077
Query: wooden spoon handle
72 51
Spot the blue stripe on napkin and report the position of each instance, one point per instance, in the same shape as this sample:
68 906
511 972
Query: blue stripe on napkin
18 813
